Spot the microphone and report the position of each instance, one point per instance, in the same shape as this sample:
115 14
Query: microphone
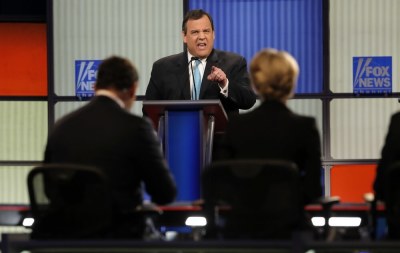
194 85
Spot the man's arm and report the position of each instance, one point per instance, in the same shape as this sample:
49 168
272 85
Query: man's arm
158 180
239 85
152 90
234 74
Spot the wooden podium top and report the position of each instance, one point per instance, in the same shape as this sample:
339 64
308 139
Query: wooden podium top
154 109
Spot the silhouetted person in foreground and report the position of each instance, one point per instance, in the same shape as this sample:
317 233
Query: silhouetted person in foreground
104 134
272 130
383 192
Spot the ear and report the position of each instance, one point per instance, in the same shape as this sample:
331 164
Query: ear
184 37
129 96
129 93
133 89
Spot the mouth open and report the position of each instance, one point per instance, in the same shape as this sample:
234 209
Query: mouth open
201 46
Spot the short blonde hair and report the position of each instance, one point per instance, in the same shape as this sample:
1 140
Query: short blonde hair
274 74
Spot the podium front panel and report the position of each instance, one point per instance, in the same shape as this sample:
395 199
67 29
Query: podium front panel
186 128
184 152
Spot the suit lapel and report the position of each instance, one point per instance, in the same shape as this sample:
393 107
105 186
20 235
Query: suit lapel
183 77
212 60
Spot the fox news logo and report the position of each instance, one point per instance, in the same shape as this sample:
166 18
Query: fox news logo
85 77
372 75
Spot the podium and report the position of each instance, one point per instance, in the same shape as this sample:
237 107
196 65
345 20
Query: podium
186 129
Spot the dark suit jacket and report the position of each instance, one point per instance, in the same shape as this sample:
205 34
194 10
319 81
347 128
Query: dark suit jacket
390 154
124 146
273 131
170 80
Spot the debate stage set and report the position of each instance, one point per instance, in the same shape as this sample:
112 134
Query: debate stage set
343 227
348 56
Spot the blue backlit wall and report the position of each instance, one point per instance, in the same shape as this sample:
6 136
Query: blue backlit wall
246 26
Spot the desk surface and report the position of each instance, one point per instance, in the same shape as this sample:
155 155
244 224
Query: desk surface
185 206
11 214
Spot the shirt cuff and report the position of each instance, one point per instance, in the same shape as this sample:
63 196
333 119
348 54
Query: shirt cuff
224 91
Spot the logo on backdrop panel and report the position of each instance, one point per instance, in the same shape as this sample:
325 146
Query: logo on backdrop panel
85 77
372 75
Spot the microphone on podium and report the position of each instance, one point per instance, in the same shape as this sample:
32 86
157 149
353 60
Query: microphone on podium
194 85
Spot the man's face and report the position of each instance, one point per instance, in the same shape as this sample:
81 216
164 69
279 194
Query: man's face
199 37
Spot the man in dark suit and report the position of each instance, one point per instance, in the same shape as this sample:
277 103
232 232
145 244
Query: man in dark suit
390 154
223 74
272 130
104 134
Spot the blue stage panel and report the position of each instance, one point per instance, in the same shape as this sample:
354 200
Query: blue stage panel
183 151
296 26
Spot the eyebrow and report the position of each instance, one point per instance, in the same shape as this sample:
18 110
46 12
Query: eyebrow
204 30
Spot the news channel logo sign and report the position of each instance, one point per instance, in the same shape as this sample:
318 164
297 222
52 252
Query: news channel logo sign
372 75
85 77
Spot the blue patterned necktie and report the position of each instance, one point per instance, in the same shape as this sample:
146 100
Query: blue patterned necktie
197 79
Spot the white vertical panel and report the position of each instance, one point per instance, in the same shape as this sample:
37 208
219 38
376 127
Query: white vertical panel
142 31
13 185
137 108
23 130
359 126
14 230
63 108
362 28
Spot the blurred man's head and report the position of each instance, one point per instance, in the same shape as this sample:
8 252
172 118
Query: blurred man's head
119 76
198 33
274 74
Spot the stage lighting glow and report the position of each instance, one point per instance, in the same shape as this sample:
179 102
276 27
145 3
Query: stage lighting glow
318 221
337 221
344 221
196 221
27 222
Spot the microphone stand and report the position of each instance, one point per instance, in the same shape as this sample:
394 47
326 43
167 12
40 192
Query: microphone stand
194 84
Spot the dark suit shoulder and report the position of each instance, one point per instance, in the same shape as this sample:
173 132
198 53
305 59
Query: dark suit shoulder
227 58
307 120
396 117
227 54
269 112
136 121
175 58
394 127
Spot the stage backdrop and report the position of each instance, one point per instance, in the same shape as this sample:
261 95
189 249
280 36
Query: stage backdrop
245 27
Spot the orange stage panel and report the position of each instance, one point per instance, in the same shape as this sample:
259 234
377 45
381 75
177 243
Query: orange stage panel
23 59
351 182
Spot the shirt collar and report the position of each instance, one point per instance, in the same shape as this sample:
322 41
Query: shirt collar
107 93
203 61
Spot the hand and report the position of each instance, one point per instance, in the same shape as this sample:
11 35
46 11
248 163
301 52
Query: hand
218 76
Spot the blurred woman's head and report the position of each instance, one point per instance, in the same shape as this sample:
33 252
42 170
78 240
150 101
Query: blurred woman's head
274 74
